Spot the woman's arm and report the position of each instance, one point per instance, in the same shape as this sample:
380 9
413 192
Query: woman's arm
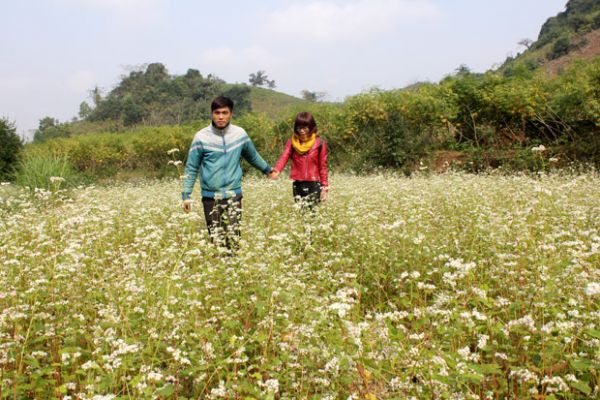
323 164
285 156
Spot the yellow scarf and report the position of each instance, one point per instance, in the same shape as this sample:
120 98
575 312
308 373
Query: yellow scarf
303 147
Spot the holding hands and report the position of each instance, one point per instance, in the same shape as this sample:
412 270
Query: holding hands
274 174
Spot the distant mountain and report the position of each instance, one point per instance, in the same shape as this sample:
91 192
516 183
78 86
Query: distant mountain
570 35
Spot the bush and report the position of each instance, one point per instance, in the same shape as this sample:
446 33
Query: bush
560 48
10 147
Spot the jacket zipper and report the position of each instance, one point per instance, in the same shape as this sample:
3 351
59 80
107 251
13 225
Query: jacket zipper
224 172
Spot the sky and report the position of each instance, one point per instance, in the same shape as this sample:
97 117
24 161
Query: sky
54 52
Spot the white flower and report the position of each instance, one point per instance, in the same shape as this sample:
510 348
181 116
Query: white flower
88 365
104 397
172 151
220 391
272 385
526 322
464 352
155 376
592 289
538 149
57 179
482 341
554 384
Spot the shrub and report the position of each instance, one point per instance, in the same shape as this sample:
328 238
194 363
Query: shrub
560 48
10 147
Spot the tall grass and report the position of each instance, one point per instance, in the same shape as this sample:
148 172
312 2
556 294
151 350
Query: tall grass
46 171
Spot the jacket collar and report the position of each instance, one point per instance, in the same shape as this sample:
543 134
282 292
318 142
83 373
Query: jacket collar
218 131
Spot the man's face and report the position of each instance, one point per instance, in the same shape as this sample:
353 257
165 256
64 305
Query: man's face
221 117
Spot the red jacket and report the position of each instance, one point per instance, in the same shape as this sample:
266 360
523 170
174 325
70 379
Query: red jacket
310 166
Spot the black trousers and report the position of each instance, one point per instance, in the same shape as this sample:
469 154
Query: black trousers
307 192
223 220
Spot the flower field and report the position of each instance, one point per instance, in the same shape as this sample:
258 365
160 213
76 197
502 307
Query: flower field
438 287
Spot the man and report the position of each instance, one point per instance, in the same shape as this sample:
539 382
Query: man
215 153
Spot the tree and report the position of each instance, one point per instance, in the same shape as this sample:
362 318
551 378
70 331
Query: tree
240 94
84 110
260 78
312 96
10 147
50 128
525 43
96 95
149 95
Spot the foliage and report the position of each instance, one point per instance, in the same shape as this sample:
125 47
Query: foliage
312 96
51 128
561 47
10 147
150 96
240 94
107 154
394 129
495 113
260 78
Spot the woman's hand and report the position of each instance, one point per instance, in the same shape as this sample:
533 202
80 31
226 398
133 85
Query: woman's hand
274 174
324 193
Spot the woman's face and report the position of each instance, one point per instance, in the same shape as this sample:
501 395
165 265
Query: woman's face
303 133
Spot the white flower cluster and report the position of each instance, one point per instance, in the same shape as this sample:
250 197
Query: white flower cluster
592 289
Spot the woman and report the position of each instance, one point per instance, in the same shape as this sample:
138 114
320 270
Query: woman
309 161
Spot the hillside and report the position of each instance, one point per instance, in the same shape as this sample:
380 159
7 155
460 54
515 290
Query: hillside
270 102
152 96
573 34
587 49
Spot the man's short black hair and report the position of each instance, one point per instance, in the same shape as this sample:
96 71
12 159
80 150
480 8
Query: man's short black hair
221 102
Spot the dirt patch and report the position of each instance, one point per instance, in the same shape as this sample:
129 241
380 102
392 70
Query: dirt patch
587 51
444 160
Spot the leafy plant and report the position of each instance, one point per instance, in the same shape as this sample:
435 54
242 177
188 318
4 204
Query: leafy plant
10 147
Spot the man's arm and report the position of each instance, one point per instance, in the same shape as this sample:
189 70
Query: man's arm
192 167
251 155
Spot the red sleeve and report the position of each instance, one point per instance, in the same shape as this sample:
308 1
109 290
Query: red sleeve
285 156
323 164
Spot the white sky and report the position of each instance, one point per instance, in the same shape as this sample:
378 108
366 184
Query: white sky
54 51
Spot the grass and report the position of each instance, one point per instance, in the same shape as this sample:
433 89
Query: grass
274 104
48 172
450 286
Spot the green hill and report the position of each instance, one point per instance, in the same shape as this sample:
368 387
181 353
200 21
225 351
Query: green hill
269 101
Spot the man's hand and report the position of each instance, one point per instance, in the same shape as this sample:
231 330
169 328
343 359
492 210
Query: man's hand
187 205
274 174
324 194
